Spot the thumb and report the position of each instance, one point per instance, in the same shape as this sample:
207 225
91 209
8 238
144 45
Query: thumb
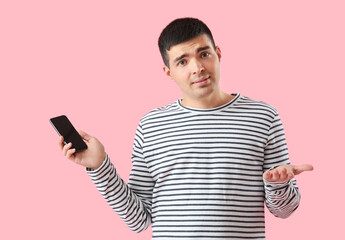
84 135
297 169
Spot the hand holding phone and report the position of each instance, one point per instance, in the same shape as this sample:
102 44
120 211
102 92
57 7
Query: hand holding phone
93 153
65 128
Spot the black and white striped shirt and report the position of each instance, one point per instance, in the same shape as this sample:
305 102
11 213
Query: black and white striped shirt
197 173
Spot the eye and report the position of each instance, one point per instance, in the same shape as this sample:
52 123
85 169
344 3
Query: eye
181 63
205 54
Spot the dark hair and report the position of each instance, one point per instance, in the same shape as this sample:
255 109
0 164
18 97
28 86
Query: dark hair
181 30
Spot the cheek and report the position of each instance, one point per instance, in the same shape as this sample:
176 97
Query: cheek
214 67
180 75
208 65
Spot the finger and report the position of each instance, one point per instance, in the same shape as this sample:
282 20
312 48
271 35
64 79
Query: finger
268 176
290 173
276 176
70 153
84 135
66 148
60 142
283 174
301 168
290 176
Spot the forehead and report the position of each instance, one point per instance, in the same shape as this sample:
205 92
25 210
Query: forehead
190 46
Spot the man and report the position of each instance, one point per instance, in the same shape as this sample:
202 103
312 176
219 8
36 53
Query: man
204 165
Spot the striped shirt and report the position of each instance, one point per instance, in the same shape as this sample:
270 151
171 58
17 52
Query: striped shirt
197 173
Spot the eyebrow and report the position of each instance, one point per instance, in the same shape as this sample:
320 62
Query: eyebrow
186 55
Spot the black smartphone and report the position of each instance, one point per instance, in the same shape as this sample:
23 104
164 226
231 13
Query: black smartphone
65 128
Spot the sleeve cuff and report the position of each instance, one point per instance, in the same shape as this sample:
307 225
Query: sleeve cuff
276 184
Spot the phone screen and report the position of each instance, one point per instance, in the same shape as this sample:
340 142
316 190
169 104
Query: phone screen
65 128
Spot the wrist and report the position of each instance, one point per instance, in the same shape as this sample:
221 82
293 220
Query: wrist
98 163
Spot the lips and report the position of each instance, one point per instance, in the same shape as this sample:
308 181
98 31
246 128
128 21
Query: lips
201 80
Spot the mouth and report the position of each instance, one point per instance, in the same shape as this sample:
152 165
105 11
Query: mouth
201 80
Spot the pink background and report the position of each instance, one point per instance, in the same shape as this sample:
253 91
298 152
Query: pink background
98 63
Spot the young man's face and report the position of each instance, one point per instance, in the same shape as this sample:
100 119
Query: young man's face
194 66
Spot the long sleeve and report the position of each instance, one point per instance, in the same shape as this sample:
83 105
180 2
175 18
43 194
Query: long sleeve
131 202
282 198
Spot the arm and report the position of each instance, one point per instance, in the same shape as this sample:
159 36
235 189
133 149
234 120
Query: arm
280 185
131 202
131 205
282 198
281 192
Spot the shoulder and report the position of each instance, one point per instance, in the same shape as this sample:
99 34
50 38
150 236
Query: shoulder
250 103
162 112
256 108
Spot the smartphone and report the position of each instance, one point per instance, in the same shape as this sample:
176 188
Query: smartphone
65 128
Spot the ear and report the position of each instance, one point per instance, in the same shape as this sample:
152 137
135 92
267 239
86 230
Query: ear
167 72
219 53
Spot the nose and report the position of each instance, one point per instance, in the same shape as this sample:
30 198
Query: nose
197 67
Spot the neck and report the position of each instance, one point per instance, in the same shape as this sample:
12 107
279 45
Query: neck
207 102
